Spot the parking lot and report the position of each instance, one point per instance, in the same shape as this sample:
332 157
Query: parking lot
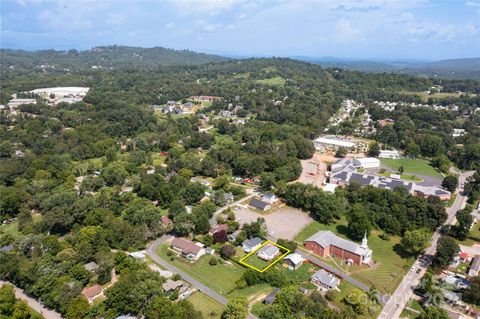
284 223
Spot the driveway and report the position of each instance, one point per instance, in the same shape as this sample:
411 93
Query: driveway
285 223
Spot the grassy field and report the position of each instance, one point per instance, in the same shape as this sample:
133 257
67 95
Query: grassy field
157 159
412 166
474 233
256 262
390 267
221 277
10 229
209 307
276 81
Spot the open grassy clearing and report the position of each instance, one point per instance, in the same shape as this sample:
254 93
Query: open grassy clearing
10 229
390 267
275 81
412 166
221 278
158 159
209 307
256 262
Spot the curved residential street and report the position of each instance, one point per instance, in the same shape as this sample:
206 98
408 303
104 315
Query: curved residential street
395 304
32 303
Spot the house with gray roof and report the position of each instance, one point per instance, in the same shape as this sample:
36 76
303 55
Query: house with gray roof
91 266
474 267
268 252
324 279
325 243
251 244
259 204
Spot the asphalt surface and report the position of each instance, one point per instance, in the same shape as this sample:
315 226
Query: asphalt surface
33 303
395 304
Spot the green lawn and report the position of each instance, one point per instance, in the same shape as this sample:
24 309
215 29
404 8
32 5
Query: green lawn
10 229
256 262
157 159
390 267
276 81
221 277
412 166
209 307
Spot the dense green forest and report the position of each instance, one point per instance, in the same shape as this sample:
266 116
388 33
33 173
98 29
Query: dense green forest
90 180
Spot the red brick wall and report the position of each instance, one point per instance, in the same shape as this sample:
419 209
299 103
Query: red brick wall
333 250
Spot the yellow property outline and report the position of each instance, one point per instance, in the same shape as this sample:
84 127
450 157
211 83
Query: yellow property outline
242 261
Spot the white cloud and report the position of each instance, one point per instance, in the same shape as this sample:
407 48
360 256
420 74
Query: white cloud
345 32
170 25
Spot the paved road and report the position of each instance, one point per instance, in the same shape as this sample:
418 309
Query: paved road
396 303
152 252
34 304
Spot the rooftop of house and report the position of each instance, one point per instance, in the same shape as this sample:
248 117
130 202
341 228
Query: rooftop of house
91 266
90 292
325 278
187 246
294 258
271 296
258 203
172 285
475 263
219 227
253 242
269 250
326 238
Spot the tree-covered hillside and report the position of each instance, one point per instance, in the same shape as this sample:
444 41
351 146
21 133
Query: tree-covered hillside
18 62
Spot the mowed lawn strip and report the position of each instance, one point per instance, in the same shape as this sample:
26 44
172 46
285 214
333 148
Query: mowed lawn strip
390 268
412 166
221 277
209 307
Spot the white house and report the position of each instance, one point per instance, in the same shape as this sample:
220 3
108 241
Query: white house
187 248
293 261
268 252
269 198
325 280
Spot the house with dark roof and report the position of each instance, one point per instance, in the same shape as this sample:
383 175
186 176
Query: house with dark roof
218 228
259 204
325 243
271 297
187 248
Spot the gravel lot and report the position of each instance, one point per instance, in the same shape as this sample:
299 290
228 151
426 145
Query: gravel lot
284 223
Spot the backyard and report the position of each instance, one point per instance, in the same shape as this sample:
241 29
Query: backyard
412 166
389 269
209 307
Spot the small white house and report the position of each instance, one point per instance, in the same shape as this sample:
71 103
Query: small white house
293 261
268 252
269 198
251 244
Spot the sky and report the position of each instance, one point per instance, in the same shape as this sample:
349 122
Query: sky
371 29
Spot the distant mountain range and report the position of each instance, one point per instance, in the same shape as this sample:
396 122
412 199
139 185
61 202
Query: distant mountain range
455 68
19 62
